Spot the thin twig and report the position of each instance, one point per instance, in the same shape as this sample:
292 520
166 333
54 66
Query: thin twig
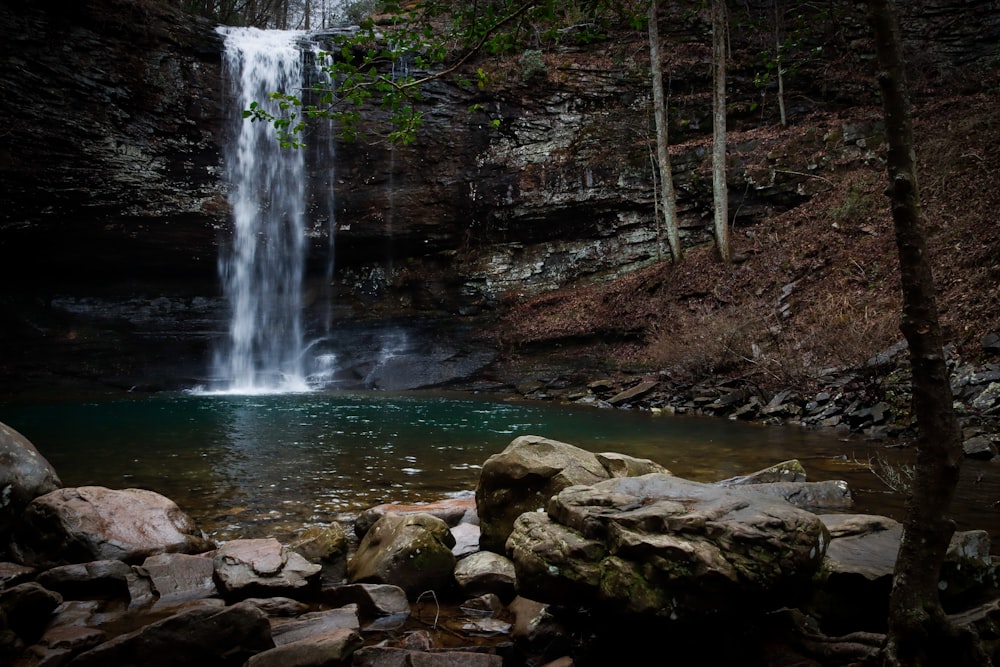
799 173
437 613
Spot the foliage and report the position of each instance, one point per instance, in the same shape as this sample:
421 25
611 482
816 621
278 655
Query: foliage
356 12
788 33
436 38
788 53
897 477
532 64
281 14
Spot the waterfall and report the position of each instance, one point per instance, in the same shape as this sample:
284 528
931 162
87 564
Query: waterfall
271 345
261 269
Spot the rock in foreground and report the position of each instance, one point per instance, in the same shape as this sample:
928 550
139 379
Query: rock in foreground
88 523
658 545
531 470
24 475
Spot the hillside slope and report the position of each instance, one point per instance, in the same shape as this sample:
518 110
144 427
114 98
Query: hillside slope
817 285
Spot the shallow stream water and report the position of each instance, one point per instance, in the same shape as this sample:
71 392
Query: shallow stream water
254 466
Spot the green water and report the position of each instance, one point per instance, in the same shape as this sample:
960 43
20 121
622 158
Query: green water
249 466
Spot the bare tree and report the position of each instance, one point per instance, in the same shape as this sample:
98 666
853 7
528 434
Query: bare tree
779 69
720 194
920 635
668 195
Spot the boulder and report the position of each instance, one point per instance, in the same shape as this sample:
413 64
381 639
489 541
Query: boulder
523 477
487 605
453 511
991 342
200 636
623 465
633 393
314 624
98 579
12 574
467 536
60 643
325 650
28 609
410 551
988 399
263 567
179 577
786 471
535 626
828 495
859 565
980 447
279 606
486 572
321 544
371 599
661 546
79 525
325 546
385 656
24 475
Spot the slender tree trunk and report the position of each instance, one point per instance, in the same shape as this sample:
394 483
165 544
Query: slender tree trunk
667 193
779 65
720 193
920 634
654 170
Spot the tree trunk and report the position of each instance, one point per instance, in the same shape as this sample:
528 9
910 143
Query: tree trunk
920 634
667 193
720 193
779 65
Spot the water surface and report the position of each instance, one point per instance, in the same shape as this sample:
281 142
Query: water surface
250 466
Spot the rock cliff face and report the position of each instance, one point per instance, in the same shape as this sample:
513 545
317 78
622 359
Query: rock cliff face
111 162
111 149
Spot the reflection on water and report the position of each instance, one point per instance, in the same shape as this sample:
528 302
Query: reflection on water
249 466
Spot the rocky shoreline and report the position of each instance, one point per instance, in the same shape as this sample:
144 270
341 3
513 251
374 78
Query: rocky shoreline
871 399
562 557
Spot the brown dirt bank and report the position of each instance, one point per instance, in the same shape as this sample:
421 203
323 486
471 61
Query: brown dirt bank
816 286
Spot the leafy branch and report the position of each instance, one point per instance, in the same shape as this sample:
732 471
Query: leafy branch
360 71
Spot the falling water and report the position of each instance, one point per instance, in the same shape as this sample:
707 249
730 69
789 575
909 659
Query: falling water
271 346
262 269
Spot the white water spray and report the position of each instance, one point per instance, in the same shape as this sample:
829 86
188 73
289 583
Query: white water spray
262 269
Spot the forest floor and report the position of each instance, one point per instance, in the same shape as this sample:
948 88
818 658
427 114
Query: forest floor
816 286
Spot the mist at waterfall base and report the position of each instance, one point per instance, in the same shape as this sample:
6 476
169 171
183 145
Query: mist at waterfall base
270 465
